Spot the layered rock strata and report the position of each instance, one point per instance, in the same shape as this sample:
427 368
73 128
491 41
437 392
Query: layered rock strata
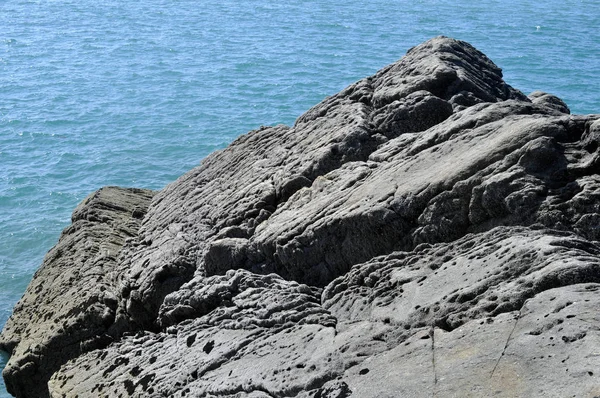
428 231
70 305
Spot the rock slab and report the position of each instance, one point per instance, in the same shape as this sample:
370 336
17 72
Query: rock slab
428 231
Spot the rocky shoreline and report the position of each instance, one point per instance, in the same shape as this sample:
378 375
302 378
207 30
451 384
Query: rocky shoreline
428 231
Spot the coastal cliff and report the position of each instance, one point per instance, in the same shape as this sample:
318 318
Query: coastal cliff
428 231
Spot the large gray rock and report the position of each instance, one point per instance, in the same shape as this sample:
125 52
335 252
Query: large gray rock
428 231
189 226
465 174
546 349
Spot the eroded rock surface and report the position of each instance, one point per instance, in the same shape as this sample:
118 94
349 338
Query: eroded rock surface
428 231
70 305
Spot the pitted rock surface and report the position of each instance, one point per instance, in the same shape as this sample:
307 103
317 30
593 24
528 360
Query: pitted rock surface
250 334
189 228
428 231
70 305
491 273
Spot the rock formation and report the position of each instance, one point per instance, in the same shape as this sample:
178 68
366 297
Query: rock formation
428 231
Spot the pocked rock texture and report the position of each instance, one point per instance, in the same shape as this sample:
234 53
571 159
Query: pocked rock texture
427 232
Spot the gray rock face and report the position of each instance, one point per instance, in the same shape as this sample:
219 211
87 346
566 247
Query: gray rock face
70 305
236 190
428 231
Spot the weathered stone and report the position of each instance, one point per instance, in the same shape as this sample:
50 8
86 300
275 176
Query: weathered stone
505 168
549 348
250 334
428 231
474 277
70 305
549 100
241 186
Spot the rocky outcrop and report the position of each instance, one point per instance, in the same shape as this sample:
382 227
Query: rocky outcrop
428 231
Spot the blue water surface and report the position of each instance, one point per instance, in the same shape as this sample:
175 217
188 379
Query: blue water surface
96 93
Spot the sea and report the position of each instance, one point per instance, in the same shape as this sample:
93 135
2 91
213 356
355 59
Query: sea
136 93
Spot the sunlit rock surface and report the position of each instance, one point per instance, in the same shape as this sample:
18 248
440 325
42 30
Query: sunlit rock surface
428 231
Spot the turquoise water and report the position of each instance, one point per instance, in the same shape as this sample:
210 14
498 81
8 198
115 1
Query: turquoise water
108 92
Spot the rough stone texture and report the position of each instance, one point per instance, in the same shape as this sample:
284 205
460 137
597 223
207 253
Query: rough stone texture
547 349
428 231
69 306
490 273
189 226
434 186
